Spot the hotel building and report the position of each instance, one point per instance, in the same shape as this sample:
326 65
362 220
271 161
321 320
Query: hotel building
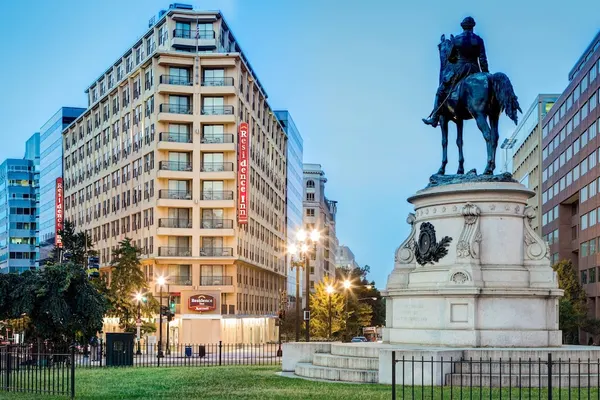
155 158
571 171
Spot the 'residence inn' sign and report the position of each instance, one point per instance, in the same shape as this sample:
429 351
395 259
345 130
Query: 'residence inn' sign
202 302
59 210
243 156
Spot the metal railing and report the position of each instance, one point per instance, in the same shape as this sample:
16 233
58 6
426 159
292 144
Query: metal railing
176 108
216 252
216 280
223 81
216 167
217 110
190 34
184 280
175 80
216 224
174 251
37 369
217 195
175 137
175 194
174 223
539 378
217 138
175 166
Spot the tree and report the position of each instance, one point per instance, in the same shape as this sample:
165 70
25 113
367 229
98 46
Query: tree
78 244
320 310
573 305
126 280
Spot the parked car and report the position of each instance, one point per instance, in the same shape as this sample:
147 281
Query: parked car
359 339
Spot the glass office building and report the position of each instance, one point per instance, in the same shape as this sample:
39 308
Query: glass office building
18 210
294 194
51 167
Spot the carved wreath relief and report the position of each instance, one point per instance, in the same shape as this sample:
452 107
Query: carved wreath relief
426 247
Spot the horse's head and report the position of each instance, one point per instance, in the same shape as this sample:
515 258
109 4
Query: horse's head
445 47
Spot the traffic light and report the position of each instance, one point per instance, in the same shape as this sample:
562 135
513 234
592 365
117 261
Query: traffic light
67 255
281 314
93 267
164 311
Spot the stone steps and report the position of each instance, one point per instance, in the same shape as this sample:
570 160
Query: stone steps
366 350
345 362
308 370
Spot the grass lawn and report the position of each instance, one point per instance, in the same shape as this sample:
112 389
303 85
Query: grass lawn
238 382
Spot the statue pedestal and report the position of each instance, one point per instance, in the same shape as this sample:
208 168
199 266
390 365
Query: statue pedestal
473 273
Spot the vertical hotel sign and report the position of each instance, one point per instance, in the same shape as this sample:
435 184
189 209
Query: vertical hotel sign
59 212
243 169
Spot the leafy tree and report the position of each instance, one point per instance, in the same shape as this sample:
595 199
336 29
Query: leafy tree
126 280
79 244
320 309
573 305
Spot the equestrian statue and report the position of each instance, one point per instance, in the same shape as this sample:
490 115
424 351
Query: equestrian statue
468 90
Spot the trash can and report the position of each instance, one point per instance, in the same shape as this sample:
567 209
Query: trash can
202 350
188 351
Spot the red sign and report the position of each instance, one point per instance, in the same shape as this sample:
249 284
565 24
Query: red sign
202 302
59 212
243 157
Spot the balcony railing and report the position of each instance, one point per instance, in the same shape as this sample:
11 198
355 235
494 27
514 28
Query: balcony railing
175 137
223 81
176 80
216 280
175 223
189 34
217 110
216 252
217 195
175 166
176 108
175 194
218 138
217 167
216 224
174 251
185 280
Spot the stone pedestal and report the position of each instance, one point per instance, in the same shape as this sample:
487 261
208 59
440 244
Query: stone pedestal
472 272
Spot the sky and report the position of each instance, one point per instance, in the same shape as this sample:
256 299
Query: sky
356 76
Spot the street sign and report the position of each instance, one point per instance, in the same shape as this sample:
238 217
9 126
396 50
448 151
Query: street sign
306 315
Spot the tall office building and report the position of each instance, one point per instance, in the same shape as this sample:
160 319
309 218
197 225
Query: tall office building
18 209
525 147
51 168
345 259
294 185
163 155
570 153
319 214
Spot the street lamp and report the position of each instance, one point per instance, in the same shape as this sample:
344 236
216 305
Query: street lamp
160 281
303 239
347 286
139 297
329 292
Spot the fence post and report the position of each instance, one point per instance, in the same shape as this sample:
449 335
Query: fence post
8 362
550 376
393 375
220 350
73 372
101 352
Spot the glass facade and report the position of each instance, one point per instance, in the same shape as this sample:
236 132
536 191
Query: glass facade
295 183
51 167
18 210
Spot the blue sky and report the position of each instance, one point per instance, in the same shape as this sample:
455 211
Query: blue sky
357 77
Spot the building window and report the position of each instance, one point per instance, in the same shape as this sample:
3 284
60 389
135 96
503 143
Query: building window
593 275
310 197
584 221
310 212
583 277
310 184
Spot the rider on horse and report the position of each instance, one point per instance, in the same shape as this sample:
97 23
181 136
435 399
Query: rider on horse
468 55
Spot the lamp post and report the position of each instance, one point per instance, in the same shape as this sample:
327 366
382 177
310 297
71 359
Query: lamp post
161 282
138 322
297 264
347 286
329 292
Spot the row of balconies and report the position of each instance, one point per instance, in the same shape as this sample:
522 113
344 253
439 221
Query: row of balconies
188 108
186 280
168 251
187 195
186 81
186 223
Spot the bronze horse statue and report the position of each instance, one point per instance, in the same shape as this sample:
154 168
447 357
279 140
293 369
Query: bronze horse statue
480 96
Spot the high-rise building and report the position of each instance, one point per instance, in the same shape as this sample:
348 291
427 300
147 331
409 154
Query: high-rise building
319 214
570 153
163 155
345 258
18 209
51 168
524 145
294 185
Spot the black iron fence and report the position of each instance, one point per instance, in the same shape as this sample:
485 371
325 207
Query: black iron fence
547 378
37 369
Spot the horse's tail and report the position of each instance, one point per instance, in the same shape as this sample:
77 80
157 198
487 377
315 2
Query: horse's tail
506 95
